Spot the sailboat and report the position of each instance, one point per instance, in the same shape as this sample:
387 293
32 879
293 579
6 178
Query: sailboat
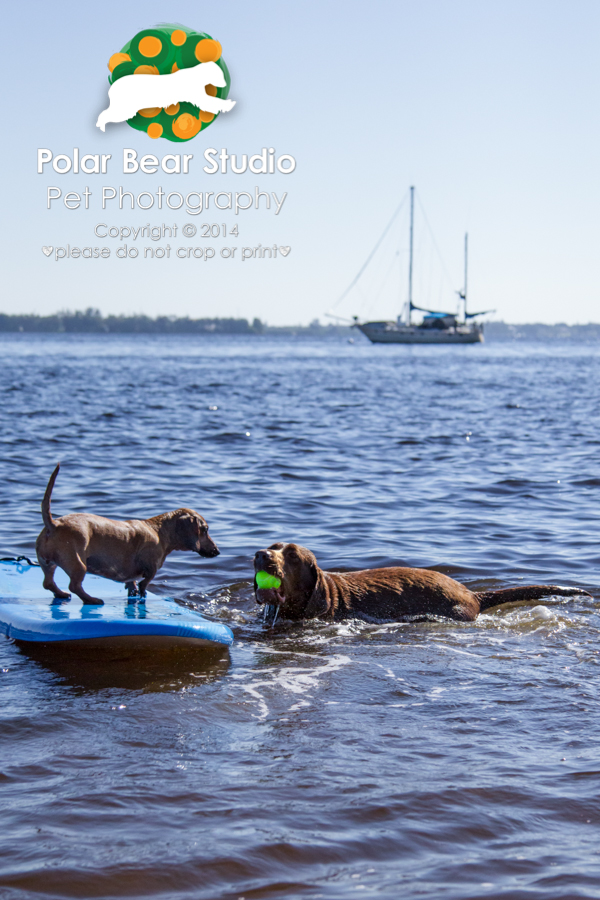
436 327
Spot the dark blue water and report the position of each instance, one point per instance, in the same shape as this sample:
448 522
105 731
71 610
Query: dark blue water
392 760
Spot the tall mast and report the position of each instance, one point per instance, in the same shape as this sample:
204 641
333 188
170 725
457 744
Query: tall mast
410 263
466 261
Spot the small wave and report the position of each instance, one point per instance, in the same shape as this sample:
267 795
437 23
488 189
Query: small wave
295 680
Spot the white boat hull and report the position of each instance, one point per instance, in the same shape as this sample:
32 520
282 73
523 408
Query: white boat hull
390 333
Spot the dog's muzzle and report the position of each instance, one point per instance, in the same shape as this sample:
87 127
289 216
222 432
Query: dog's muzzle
209 552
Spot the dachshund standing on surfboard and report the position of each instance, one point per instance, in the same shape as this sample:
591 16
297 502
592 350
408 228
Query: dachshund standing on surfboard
129 552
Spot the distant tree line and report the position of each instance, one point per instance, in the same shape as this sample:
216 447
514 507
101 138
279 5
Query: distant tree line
91 321
501 331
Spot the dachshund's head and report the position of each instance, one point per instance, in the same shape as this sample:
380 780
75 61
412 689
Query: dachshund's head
303 591
191 533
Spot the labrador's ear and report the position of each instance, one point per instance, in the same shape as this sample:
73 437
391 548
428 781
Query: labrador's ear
318 602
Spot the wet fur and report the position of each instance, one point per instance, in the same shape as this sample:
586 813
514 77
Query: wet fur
130 552
393 593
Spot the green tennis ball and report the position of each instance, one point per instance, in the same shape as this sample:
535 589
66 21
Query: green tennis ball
264 580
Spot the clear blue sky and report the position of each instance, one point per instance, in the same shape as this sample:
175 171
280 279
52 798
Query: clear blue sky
490 108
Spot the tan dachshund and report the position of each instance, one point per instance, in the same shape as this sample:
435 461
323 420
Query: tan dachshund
394 593
128 551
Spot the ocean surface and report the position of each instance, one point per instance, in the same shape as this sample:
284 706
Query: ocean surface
430 760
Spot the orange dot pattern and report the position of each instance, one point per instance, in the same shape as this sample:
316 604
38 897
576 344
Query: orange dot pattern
118 58
186 126
208 50
150 46
160 51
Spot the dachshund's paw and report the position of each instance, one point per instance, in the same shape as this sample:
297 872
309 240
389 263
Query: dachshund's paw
93 601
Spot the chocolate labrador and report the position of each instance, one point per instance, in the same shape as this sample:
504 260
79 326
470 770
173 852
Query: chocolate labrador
128 551
394 593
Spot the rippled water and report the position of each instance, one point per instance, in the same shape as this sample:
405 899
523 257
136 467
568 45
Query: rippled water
392 760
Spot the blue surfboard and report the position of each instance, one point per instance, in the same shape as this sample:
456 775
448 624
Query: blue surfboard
29 613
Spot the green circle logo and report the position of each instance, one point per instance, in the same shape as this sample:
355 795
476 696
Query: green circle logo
165 51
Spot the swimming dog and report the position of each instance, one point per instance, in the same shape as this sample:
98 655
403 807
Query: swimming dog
393 593
128 551
134 92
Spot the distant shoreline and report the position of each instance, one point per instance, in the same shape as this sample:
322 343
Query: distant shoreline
91 321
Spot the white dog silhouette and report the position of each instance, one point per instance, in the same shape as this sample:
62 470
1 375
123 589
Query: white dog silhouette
134 92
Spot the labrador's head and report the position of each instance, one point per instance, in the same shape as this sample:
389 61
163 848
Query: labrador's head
302 593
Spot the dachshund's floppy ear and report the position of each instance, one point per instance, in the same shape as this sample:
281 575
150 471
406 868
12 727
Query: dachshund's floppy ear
318 603
184 524
187 530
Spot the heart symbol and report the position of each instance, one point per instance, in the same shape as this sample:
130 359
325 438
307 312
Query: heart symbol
284 250
47 250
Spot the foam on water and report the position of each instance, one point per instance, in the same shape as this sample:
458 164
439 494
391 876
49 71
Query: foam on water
285 679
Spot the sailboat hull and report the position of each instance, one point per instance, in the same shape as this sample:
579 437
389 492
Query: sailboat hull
390 333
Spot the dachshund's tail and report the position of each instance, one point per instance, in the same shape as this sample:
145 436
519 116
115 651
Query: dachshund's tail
46 514
527 592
